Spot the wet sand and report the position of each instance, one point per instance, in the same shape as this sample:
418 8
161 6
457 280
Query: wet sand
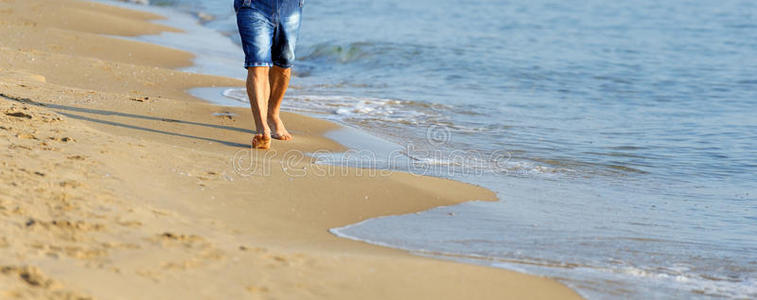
116 184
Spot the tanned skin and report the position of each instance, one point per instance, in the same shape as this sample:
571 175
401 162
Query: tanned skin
266 88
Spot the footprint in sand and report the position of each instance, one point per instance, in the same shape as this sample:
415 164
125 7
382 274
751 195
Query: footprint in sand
67 230
62 139
18 114
25 136
188 241
70 184
15 146
32 283
140 99
49 118
30 275
225 115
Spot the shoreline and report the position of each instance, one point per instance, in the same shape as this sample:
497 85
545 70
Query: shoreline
137 198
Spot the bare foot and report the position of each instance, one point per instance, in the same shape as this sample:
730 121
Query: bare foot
261 141
279 131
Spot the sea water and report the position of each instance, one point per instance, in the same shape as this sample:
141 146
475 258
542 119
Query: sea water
619 136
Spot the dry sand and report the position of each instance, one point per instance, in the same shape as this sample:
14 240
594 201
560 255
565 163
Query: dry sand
115 184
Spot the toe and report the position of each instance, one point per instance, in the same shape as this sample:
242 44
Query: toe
261 142
282 136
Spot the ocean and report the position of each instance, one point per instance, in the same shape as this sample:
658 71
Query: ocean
620 137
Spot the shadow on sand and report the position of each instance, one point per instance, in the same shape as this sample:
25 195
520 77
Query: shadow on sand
69 111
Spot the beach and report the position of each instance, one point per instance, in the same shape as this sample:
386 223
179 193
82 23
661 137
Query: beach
117 184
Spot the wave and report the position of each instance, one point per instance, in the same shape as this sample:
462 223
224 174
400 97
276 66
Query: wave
142 2
360 108
418 119
592 279
383 53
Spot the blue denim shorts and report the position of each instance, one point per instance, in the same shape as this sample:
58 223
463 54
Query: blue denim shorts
269 30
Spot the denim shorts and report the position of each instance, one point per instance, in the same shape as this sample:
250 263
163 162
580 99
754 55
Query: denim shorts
269 30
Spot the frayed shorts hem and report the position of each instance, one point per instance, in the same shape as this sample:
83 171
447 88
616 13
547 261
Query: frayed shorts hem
283 66
264 64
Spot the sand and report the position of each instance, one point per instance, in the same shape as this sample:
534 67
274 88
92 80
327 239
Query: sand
116 184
